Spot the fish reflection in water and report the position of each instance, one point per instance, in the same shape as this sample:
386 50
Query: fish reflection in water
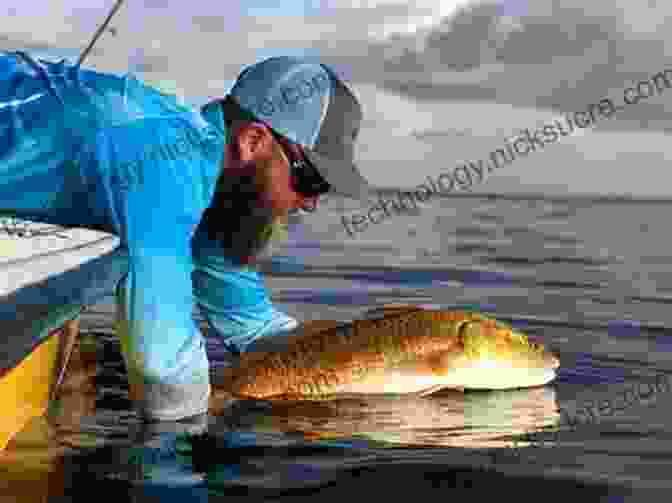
480 419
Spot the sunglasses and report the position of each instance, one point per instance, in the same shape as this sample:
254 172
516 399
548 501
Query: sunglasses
306 180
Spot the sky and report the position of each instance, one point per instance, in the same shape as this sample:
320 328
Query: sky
441 82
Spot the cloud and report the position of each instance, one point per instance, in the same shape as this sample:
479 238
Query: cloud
529 54
379 19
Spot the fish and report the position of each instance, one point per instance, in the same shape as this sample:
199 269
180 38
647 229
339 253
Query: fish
394 349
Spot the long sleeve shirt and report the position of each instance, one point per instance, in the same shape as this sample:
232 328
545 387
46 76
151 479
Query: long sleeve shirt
106 152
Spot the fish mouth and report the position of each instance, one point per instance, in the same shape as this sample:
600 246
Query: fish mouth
497 357
550 359
555 361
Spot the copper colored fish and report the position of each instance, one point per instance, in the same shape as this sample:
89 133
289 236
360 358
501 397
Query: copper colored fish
403 350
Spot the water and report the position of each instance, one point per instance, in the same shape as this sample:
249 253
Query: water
589 277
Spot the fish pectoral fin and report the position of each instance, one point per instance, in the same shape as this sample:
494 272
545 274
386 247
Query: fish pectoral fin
430 390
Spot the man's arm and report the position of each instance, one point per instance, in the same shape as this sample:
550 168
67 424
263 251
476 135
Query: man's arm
49 113
154 212
233 299
163 348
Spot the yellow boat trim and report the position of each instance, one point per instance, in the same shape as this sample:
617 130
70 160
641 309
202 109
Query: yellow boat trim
26 390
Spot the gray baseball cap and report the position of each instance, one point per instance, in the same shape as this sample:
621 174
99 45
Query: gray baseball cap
309 105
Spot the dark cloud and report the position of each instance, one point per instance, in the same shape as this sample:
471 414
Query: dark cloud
569 32
463 41
564 57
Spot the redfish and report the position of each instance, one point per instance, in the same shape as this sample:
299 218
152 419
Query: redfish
401 350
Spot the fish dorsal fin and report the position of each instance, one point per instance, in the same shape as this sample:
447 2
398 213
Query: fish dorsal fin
390 310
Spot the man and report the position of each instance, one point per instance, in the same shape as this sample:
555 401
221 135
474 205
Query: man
190 194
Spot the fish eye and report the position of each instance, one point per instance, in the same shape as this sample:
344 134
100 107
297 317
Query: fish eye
461 329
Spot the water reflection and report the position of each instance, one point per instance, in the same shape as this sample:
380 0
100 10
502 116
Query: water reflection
31 468
447 418
90 437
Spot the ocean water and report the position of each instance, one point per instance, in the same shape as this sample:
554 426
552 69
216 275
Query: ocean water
591 278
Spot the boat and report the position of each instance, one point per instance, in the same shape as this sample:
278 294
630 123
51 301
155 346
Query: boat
28 388
38 339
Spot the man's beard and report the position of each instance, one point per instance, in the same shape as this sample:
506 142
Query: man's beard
238 218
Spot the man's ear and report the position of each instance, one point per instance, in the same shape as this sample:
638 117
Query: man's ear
254 141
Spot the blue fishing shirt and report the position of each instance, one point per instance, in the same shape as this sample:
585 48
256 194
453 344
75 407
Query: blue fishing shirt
88 149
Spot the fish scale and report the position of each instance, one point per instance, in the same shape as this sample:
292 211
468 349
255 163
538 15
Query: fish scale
315 365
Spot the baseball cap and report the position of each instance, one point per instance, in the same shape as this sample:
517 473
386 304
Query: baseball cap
309 105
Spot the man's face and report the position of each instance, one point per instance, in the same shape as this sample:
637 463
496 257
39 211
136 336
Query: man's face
256 153
274 183
255 195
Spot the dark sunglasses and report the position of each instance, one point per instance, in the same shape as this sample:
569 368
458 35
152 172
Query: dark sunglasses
306 180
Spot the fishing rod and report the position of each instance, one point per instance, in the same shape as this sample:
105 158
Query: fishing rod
100 31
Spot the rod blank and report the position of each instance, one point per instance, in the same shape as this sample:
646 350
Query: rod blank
100 31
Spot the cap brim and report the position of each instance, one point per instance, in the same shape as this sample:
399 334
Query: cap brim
343 176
